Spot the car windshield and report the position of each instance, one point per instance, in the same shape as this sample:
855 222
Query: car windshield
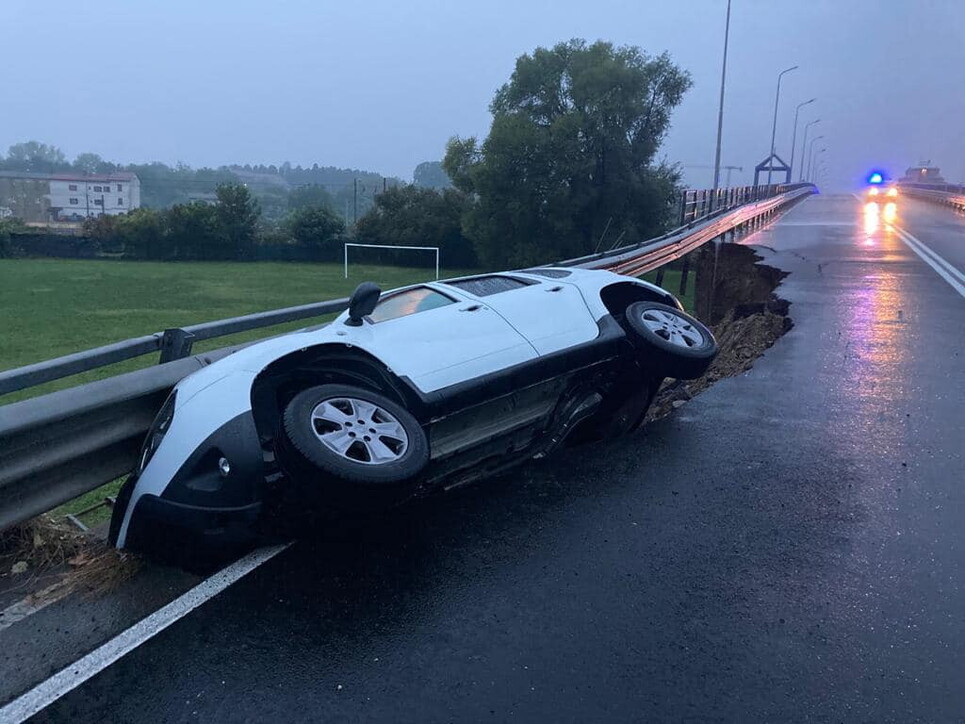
408 302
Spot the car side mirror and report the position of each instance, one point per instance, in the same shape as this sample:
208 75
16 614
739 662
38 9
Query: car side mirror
362 303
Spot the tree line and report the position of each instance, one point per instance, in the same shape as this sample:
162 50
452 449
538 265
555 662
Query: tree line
568 167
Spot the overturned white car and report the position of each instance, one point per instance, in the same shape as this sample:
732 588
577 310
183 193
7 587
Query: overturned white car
413 390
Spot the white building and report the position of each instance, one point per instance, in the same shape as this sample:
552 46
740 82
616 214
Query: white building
68 197
83 196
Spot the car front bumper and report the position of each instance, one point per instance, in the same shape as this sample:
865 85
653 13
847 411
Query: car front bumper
158 524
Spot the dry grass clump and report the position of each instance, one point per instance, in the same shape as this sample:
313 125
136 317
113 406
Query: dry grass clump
85 564
41 543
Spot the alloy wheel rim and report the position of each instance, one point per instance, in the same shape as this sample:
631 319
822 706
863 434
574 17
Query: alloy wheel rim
672 328
359 430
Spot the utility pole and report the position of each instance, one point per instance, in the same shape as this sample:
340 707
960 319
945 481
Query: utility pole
720 109
355 202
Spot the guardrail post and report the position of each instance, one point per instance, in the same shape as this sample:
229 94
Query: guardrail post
175 344
683 274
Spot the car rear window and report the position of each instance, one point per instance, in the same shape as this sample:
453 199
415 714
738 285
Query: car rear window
408 302
485 286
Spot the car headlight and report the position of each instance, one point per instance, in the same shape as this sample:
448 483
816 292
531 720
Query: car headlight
157 431
892 192
872 192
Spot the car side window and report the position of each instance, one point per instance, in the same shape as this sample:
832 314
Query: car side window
411 301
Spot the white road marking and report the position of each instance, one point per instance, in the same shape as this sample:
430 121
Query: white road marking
932 253
945 270
64 681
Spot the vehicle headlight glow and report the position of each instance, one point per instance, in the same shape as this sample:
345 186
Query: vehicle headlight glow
892 192
159 428
872 192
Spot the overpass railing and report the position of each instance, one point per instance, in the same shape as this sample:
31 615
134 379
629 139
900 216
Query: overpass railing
952 195
60 445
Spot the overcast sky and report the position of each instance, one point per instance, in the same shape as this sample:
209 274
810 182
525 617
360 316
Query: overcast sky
380 85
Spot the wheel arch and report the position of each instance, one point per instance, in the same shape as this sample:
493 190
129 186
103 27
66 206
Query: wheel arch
328 363
618 296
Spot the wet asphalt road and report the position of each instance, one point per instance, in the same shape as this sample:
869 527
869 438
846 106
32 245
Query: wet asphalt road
787 546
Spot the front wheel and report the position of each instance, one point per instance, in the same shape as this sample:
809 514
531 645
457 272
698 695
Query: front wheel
353 446
671 342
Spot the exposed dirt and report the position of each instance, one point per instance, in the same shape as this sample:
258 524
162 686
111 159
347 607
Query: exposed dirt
748 317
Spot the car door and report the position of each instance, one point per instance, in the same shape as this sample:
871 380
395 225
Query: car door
551 315
438 338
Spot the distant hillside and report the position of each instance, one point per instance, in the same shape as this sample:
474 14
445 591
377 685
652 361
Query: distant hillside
162 186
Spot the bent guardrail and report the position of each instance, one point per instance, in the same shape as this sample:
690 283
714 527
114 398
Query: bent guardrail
60 445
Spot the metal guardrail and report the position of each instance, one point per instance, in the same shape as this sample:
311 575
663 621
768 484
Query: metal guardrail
946 194
173 344
58 446
636 259
698 203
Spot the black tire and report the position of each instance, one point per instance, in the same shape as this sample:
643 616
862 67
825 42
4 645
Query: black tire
346 478
671 342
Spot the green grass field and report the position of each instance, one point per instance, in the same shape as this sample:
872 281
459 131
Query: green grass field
53 307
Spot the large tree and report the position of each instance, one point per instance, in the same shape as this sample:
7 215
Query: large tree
36 157
236 214
430 175
569 161
92 163
413 216
317 227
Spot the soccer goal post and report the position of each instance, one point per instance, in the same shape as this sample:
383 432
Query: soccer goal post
391 246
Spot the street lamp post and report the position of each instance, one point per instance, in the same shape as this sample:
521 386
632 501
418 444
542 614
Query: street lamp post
777 98
804 144
794 135
807 173
817 159
720 110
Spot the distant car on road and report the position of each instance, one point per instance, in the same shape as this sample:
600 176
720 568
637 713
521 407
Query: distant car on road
420 388
882 194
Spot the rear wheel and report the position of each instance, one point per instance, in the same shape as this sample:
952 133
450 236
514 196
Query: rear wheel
671 342
352 446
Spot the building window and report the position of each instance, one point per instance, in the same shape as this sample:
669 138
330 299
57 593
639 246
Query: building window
74 202
120 201
72 187
97 188
98 202
119 188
